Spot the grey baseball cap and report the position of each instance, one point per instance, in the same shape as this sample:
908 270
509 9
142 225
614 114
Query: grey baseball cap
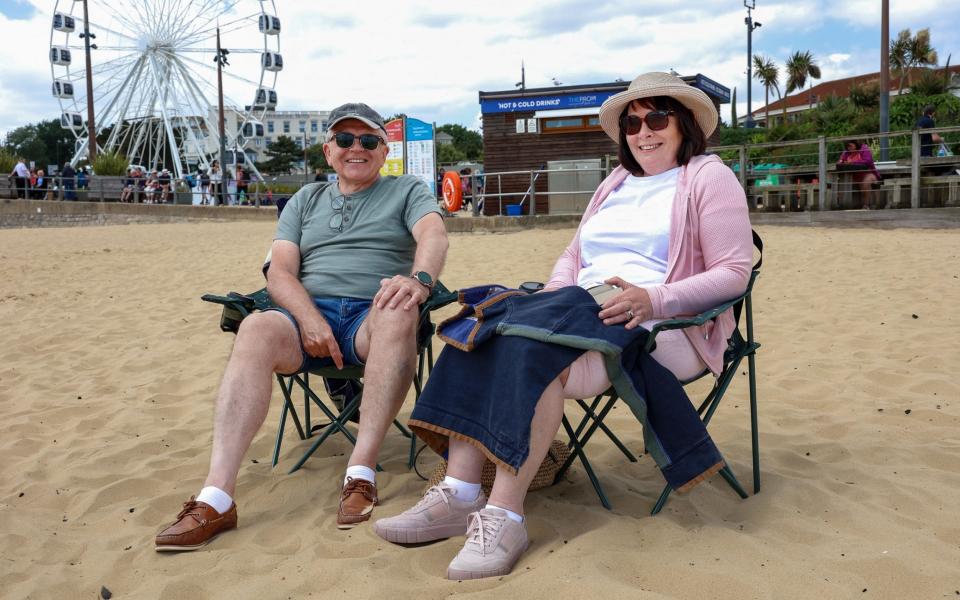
358 111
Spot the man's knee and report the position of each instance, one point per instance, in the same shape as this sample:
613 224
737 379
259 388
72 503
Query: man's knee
393 321
269 336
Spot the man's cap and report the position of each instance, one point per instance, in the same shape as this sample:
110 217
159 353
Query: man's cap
358 111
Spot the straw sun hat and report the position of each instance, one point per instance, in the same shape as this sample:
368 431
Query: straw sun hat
659 84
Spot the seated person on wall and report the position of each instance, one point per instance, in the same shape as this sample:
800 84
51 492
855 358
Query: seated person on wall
351 262
857 153
666 234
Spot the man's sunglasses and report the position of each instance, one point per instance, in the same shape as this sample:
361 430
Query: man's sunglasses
368 140
656 120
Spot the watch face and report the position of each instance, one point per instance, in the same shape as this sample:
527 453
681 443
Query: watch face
424 278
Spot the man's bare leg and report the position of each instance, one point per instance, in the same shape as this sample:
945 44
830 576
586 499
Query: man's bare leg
386 342
266 343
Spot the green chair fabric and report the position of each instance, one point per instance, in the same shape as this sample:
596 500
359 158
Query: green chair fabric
237 306
738 348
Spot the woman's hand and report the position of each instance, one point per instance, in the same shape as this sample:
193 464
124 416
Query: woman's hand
632 306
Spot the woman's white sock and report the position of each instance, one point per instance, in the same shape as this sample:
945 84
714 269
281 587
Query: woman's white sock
466 491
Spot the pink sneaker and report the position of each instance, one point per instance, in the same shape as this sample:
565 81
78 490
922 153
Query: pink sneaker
495 543
438 515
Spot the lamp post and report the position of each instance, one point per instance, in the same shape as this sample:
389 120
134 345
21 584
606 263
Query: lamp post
751 25
221 60
91 125
885 78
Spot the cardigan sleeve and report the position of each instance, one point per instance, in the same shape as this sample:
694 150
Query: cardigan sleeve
723 230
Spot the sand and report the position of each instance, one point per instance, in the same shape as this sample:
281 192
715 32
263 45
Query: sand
109 363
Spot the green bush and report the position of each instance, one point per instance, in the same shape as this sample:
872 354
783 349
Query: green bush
110 163
7 161
276 188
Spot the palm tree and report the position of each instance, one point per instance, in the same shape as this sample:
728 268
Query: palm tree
908 51
767 72
800 66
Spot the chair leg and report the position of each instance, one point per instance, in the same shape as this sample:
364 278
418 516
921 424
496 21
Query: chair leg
578 451
336 424
754 429
728 475
599 424
288 408
661 500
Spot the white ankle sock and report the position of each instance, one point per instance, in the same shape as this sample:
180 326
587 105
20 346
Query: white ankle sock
361 472
466 491
215 497
513 516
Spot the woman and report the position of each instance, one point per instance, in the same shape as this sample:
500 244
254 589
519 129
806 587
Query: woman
857 153
669 229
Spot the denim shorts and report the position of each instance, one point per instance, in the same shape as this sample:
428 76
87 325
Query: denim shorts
345 316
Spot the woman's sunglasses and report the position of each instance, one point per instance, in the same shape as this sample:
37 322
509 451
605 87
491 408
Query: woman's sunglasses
368 140
656 120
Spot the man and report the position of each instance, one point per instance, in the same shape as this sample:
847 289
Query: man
163 180
68 177
21 176
351 262
928 141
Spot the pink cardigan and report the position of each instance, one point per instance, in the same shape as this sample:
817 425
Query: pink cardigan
711 250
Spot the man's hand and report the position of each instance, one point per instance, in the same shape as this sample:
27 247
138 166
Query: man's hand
401 289
632 306
318 340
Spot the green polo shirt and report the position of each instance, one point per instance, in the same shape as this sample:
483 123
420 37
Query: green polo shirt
346 252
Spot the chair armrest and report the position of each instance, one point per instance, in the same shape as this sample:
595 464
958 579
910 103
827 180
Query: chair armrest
692 321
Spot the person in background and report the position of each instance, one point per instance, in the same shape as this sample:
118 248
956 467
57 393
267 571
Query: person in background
204 179
68 177
857 153
216 184
928 141
163 182
21 177
32 184
128 183
40 186
83 178
242 181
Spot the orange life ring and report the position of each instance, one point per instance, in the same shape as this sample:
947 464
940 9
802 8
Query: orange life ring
452 193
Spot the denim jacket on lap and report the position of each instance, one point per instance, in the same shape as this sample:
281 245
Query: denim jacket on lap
505 347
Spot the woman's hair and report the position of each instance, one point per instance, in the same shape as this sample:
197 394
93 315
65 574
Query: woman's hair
856 143
693 142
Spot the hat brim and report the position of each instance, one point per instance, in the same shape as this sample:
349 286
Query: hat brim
704 112
363 120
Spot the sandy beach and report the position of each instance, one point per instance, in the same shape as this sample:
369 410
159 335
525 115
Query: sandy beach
109 363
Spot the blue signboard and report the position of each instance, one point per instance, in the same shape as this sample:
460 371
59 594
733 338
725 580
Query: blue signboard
529 103
712 88
418 130
420 151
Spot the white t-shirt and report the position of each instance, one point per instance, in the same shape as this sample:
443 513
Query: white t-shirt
630 234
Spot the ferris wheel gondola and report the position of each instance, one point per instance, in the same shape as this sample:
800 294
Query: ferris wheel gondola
154 76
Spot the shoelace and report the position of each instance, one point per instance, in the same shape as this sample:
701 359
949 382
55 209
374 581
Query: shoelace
482 528
188 509
432 491
359 486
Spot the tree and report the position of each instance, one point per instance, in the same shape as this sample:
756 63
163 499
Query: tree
448 154
864 96
316 158
467 141
799 67
766 71
908 51
283 153
45 143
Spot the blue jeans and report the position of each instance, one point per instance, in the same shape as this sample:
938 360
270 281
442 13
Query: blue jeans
345 316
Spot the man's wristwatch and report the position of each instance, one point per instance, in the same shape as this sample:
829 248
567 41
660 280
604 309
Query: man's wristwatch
424 279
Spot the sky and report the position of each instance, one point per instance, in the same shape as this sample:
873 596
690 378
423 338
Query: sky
429 59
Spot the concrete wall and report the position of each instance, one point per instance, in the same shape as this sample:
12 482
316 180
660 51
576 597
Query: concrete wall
45 213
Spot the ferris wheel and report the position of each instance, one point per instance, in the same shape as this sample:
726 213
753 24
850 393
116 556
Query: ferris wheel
154 77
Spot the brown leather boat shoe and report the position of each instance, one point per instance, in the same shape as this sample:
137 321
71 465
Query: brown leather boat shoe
196 525
357 499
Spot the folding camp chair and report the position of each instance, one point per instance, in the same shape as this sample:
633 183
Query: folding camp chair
237 306
738 348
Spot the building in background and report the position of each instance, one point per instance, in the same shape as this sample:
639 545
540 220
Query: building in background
556 129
